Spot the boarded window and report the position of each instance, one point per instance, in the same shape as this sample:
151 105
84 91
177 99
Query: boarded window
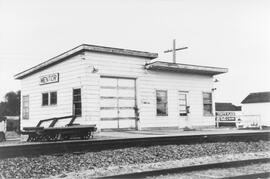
25 107
162 103
77 104
207 104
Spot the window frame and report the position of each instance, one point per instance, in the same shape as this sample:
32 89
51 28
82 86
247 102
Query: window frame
24 116
52 104
73 103
49 99
210 104
183 113
42 99
166 103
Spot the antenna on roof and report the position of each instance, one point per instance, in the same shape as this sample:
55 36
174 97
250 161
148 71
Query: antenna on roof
174 49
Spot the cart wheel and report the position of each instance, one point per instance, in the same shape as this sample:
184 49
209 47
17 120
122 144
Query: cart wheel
55 137
60 137
29 139
65 137
2 136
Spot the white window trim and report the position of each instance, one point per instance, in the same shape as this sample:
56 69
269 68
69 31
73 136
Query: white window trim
79 87
49 99
23 107
167 106
187 99
212 110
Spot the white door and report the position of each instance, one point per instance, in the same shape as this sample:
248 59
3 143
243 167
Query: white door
118 103
183 109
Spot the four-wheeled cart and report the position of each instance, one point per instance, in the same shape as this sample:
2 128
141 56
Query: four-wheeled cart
52 133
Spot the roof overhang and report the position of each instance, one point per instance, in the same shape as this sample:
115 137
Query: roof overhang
185 68
82 48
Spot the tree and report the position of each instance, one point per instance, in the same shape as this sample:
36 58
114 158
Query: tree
11 105
2 108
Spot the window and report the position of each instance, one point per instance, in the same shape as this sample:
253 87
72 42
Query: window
49 98
25 107
207 104
45 99
53 98
77 104
183 104
162 108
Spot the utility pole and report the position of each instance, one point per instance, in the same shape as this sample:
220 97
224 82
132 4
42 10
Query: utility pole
174 49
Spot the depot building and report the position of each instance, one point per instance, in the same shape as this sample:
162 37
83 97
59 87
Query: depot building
118 89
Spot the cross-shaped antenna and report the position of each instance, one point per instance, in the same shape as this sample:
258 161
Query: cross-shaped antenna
174 50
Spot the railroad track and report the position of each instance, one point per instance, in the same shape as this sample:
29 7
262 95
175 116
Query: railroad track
195 168
60 147
251 176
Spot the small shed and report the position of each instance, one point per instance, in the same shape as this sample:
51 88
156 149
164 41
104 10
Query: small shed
258 104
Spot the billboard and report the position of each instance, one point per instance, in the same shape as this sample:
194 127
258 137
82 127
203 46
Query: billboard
225 116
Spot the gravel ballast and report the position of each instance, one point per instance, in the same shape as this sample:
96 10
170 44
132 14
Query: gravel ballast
134 168
48 165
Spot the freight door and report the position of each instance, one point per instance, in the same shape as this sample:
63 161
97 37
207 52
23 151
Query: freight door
118 103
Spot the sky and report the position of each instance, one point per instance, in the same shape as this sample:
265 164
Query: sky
234 34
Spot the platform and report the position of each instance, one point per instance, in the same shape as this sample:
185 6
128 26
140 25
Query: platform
124 139
126 134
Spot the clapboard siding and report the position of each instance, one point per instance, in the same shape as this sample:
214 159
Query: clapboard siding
107 65
70 74
147 83
173 82
77 72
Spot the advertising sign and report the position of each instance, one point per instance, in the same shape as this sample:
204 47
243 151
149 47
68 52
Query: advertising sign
225 115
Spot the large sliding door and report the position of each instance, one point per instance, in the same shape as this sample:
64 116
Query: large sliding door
118 103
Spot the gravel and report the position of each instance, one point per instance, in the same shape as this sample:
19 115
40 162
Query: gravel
51 165
141 167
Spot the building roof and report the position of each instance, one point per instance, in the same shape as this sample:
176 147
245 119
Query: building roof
82 48
260 97
227 107
185 68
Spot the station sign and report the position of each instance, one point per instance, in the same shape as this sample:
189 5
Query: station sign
225 115
50 78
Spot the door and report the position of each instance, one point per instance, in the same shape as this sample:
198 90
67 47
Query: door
183 109
118 103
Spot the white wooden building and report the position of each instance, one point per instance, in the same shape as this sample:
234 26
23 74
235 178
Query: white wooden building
257 105
118 88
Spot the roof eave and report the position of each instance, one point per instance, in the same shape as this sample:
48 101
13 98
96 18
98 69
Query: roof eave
184 68
49 62
119 51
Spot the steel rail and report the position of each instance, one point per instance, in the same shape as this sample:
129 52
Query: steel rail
250 176
61 147
193 168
